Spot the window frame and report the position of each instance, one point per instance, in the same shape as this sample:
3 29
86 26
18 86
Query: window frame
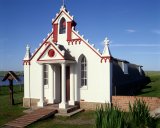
62 28
83 71
125 68
45 74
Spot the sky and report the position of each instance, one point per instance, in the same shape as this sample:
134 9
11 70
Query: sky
132 26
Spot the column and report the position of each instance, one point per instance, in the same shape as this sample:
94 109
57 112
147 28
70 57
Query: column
51 84
41 101
63 103
54 84
76 83
72 99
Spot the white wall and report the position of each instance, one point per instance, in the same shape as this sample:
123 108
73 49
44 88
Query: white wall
98 87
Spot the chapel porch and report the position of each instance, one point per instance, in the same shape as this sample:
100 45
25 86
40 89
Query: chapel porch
58 84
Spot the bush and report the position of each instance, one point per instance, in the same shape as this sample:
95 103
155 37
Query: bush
140 115
109 117
112 117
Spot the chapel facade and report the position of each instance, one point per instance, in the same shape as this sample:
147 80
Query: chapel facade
66 69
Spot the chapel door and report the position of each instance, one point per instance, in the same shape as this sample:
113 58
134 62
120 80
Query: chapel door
67 83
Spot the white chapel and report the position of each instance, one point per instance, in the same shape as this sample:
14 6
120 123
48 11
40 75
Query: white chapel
66 69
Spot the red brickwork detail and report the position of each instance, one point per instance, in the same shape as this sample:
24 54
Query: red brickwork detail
123 101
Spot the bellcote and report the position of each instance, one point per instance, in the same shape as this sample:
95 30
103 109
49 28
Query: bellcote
63 25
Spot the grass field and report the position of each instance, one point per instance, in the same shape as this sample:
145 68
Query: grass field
82 120
8 112
153 88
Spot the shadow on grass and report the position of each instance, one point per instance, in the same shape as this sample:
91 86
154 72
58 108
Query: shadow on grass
18 103
141 92
147 87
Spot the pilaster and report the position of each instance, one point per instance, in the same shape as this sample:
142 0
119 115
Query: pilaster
41 86
72 90
51 83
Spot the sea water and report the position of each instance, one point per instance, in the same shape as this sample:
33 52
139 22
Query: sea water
5 83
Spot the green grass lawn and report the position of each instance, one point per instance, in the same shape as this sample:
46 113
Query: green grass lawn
8 112
80 120
153 88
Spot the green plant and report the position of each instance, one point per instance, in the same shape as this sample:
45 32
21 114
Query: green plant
139 113
99 116
110 117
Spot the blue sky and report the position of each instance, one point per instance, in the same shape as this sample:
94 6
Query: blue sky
132 26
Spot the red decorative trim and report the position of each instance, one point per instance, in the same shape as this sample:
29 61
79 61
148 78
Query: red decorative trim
46 50
87 44
55 32
69 31
105 58
49 60
26 62
74 41
44 42
60 14
102 57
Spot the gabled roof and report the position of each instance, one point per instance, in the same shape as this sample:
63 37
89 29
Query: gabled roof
54 52
120 60
41 45
11 76
63 10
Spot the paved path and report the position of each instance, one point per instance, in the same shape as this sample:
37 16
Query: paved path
30 118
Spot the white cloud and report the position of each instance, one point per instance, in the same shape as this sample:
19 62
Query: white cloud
130 30
147 53
156 31
135 45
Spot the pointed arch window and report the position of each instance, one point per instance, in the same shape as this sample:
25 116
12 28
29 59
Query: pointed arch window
83 71
62 28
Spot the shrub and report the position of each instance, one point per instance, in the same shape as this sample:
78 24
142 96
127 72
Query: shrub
140 113
138 116
109 117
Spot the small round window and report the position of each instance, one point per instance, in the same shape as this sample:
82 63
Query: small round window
51 53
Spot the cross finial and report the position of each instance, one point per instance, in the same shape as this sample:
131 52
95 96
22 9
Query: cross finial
63 1
106 41
106 51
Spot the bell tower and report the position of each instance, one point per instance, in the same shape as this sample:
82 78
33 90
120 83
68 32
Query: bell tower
62 26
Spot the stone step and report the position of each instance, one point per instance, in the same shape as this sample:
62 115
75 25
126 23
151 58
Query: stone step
68 110
70 113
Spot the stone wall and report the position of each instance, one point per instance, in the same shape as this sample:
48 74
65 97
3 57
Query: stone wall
89 105
28 102
123 101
